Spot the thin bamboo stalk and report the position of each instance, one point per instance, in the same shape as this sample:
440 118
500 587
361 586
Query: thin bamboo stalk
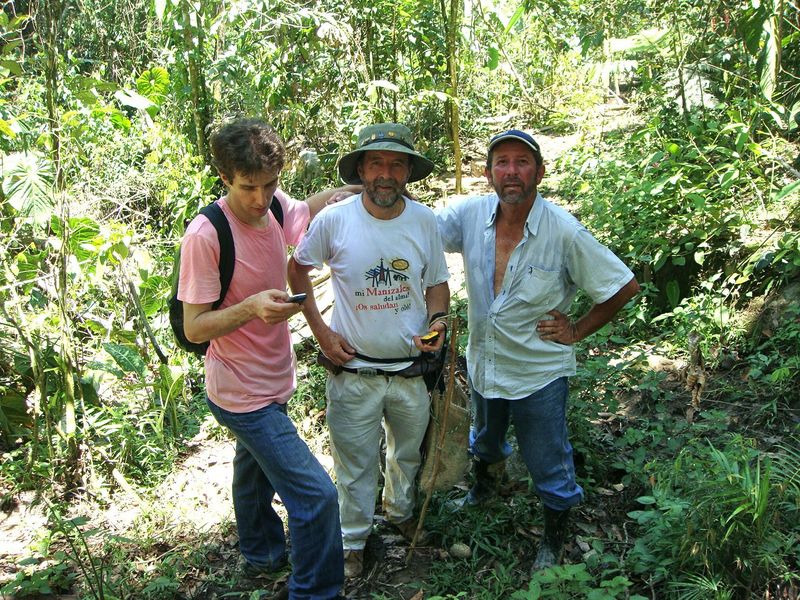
448 399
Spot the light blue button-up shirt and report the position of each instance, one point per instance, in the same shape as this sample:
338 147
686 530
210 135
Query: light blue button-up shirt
556 256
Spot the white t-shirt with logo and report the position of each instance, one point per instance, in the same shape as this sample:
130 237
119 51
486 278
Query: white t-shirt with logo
380 270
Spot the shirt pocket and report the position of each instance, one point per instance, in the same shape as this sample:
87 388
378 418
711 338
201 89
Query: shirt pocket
539 289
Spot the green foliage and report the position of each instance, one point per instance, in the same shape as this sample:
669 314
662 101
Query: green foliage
103 163
774 361
38 577
574 581
53 573
720 516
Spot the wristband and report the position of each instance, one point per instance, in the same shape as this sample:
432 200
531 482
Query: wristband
439 316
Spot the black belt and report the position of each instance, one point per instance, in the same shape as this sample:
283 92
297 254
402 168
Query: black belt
371 371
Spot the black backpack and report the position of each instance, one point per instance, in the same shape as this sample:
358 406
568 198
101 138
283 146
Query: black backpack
227 260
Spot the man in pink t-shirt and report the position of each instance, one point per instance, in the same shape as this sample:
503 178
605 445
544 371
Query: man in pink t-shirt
250 364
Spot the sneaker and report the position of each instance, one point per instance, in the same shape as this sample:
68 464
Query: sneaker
353 563
408 528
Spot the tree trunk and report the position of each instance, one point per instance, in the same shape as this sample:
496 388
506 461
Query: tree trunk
54 15
452 23
196 81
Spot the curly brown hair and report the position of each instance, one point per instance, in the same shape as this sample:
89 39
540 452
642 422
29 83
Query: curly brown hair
247 147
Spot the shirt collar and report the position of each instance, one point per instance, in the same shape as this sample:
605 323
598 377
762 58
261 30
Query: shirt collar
534 216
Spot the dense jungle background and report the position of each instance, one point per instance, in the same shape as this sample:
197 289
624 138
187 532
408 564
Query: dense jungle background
671 128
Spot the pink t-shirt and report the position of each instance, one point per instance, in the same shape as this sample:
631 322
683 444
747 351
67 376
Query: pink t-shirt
253 366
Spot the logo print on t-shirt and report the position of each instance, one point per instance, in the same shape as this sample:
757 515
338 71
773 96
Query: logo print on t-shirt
386 288
383 276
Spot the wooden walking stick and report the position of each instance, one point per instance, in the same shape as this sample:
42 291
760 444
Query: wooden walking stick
437 454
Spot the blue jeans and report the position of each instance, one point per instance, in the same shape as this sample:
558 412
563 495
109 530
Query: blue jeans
271 457
540 422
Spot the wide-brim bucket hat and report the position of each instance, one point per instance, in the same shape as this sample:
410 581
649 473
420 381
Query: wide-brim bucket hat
384 136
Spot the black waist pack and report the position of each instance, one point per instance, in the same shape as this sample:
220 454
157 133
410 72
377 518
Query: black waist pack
427 364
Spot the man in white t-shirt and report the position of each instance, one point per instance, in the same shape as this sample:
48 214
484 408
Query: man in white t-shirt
250 365
390 284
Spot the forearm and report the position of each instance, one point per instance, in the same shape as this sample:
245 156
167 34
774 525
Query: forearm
300 282
317 202
437 299
601 314
205 325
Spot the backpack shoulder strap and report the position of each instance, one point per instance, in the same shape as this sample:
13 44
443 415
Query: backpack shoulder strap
277 210
227 252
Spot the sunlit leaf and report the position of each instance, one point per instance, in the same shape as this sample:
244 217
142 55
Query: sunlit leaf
786 190
728 178
770 57
153 84
435 93
82 231
383 83
6 129
160 6
132 99
120 120
515 17
28 181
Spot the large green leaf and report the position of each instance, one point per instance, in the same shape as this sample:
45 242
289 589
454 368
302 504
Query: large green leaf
153 84
83 231
673 291
515 17
770 57
786 190
28 180
126 357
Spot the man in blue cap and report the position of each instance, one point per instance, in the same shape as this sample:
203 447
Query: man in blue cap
525 259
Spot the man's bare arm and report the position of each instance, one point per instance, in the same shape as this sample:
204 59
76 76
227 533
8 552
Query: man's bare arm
201 323
317 202
333 345
560 329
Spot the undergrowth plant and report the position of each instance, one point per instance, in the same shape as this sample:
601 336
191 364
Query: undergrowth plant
728 516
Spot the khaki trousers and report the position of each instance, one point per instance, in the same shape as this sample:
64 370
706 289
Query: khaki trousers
358 406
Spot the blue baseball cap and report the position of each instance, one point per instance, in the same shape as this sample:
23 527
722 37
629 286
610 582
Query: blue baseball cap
520 136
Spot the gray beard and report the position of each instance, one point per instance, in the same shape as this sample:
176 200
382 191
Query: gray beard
515 197
383 199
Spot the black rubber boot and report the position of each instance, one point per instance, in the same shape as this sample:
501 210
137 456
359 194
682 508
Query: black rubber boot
485 486
551 548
